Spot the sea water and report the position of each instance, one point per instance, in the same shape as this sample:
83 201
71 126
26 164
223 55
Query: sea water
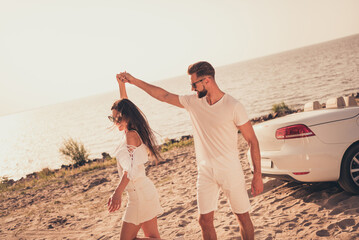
30 141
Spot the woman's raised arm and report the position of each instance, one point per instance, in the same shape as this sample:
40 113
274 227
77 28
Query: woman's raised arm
122 87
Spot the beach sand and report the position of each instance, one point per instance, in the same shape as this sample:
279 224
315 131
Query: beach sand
77 208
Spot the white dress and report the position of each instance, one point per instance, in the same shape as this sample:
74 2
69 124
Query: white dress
143 200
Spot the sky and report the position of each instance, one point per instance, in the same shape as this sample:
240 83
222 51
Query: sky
57 50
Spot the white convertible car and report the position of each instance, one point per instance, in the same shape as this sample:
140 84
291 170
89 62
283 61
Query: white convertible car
317 145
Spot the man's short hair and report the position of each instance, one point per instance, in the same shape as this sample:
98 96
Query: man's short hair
201 69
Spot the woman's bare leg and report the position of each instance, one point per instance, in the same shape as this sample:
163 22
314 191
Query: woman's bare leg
150 228
129 231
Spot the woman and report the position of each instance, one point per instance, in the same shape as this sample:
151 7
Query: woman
143 202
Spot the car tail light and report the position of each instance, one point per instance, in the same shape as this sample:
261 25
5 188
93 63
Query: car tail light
300 173
294 131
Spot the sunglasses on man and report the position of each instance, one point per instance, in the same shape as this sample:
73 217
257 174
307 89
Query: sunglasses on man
194 85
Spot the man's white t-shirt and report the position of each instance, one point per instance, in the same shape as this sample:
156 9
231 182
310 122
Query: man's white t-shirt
215 129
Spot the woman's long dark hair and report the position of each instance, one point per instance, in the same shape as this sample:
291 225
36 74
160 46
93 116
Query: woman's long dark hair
137 121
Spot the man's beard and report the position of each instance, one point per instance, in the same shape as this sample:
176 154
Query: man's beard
202 93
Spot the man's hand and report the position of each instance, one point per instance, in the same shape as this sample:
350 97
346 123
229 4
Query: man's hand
114 202
257 184
125 77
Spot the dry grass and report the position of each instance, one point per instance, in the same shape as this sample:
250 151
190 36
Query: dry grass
47 176
169 145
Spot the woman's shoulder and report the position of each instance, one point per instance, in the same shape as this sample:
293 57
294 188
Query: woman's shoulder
133 138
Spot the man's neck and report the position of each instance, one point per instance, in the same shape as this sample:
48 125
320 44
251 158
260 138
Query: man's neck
214 97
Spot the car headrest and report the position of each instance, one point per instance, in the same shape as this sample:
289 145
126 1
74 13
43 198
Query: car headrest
310 106
335 103
350 101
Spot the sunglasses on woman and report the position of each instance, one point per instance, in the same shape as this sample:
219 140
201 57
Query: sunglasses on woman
115 120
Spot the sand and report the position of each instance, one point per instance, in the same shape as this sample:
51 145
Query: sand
76 209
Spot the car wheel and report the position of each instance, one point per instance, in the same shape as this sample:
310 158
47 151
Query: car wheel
349 172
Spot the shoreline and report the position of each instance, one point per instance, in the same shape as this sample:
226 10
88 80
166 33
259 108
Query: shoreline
105 155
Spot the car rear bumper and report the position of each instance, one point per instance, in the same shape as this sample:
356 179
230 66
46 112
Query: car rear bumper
281 177
314 162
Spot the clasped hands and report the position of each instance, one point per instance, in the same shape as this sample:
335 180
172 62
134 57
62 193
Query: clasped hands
124 77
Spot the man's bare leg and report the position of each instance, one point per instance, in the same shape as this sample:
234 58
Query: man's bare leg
207 226
246 226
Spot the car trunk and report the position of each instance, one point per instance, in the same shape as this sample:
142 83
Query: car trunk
266 131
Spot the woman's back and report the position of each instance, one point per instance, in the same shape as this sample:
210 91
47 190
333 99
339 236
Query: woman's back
131 156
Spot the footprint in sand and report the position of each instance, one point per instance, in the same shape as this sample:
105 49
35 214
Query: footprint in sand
95 183
336 211
323 233
299 230
177 210
235 228
183 223
307 224
331 226
88 226
346 223
58 221
280 206
292 225
192 210
336 199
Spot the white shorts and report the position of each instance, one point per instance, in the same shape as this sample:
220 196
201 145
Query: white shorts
232 183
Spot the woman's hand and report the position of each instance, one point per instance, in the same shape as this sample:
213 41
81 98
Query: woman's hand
114 202
120 79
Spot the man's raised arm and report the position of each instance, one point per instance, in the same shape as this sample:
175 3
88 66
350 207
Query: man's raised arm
156 92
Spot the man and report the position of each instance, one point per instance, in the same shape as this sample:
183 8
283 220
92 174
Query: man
216 118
